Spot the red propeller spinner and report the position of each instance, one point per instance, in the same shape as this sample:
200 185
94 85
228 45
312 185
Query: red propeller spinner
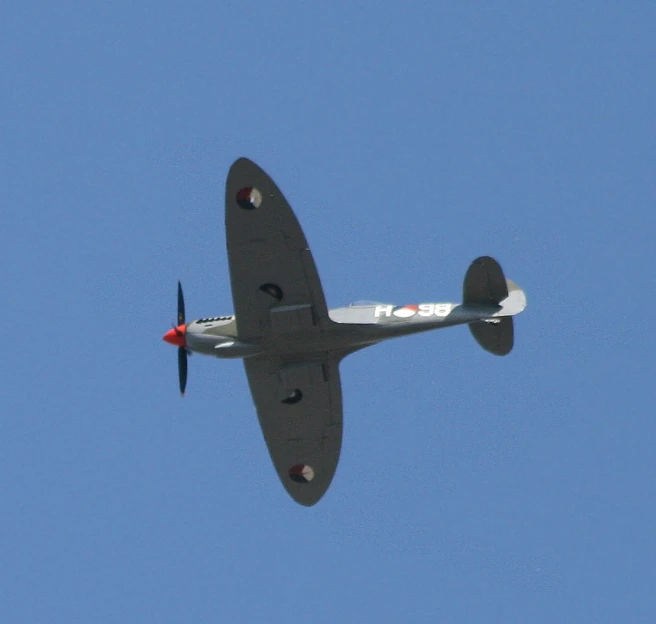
176 336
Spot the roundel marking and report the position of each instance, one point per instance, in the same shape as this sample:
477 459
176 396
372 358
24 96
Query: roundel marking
405 311
301 473
248 198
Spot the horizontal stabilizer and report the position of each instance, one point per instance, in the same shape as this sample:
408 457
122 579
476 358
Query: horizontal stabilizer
495 336
485 284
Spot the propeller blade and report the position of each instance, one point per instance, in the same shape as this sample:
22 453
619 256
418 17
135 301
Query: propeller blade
182 369
181 306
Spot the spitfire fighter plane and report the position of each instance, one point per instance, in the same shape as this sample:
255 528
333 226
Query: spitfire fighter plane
291 343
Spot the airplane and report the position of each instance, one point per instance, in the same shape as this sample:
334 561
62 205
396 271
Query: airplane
291 343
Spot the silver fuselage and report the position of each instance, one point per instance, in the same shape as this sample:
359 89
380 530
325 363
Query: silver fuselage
350 329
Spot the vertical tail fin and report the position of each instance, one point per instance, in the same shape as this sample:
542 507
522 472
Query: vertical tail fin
485 284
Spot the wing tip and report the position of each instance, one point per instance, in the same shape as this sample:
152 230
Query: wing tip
243 163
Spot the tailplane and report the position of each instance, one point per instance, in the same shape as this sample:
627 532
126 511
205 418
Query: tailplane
485 284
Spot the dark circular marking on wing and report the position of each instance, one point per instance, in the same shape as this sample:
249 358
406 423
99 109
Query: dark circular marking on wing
293 398
273 290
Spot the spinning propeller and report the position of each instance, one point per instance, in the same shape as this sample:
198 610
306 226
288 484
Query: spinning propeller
176 336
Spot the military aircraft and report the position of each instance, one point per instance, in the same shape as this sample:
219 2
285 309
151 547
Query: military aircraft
291 343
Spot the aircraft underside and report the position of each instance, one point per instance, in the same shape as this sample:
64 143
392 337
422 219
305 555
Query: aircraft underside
291 344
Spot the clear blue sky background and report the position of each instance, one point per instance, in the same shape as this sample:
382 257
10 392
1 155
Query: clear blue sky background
410 138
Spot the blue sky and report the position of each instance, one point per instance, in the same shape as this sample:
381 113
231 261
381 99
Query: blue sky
410 138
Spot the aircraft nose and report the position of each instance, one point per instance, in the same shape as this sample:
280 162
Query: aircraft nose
176 336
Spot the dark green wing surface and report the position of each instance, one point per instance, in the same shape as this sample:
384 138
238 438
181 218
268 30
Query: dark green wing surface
270 262
299 407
